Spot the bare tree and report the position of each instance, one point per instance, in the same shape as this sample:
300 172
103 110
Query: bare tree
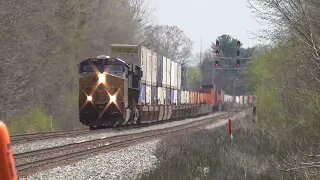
43 41
169 41
297 20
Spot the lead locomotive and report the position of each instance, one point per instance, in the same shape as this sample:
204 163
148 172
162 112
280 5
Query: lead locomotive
108 92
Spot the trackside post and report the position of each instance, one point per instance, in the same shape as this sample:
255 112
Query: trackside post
7 165
230 128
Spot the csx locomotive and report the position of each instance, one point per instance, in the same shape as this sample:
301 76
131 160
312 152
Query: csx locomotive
108 92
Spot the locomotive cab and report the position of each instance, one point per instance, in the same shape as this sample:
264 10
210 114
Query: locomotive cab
107 91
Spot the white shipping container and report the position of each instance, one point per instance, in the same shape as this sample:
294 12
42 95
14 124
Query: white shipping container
227 98
149 67
175 96
245 99
144 64
183 97
164 72
161 95
132 54
179 76
154 69
238 99
169 72
148 94
174 75
187 97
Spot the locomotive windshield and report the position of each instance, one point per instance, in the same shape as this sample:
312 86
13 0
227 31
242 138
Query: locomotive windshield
111 66
88 67
117 70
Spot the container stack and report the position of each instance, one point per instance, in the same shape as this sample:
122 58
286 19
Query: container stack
161 80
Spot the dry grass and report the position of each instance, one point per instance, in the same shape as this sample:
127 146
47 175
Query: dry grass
210 154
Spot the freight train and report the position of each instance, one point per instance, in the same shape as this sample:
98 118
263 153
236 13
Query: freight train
135 86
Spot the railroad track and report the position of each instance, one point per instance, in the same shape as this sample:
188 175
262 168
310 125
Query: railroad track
31 162
24 138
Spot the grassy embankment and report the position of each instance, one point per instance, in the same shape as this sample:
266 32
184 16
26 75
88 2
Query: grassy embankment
36 120
254 153
283 144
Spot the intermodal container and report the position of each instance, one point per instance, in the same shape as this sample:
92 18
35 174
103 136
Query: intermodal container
148 95
159 71
168 96
132 54
174 75
172 96
175 96
161 95
169 72
154 69
179 97
179 75
142 95
149 67
154 95
164 72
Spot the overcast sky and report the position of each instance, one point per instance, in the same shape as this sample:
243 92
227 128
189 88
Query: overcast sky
209 19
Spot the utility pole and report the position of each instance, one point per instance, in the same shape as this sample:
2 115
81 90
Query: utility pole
200 62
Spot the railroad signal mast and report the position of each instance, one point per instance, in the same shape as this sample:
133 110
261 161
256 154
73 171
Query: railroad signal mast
217 51
238 53
237 58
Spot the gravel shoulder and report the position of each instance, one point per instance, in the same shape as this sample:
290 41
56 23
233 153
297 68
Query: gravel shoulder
126 163
43 144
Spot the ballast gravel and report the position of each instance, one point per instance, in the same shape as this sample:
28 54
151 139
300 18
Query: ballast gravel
222 122
126 163
43 144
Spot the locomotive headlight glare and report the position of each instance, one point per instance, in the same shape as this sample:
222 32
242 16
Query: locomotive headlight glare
102 78
89 98
113 99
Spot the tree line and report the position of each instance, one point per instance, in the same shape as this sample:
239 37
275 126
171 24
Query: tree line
42 43
285 77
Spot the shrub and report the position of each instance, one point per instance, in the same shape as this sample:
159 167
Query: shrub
36 120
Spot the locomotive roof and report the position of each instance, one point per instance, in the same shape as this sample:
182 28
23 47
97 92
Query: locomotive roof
107 57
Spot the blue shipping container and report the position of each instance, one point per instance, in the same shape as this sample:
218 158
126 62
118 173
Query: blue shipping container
142 95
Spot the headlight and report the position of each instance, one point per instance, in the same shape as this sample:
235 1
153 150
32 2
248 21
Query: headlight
89 98
102 78
113 98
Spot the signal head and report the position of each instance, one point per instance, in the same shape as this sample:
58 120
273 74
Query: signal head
238 43
238 63
216 64
217 52
217 43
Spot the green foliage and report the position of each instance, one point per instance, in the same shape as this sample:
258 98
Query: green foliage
209 154
193 77
286 96
36 120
